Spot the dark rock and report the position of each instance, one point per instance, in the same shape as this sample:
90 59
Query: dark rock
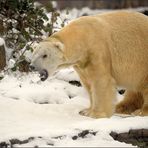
138 137
51 144
145 12
3 145
12 142
45 102
74 137
59 137
121 92
83 134
76 83
17 141
85 14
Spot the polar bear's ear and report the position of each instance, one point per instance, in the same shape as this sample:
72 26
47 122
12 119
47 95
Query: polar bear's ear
59 45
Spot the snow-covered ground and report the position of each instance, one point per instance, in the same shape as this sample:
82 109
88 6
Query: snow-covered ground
47 113
35 113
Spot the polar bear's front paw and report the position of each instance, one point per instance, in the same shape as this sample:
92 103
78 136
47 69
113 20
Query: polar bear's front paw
93 114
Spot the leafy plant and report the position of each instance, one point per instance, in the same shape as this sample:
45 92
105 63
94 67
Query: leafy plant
22 22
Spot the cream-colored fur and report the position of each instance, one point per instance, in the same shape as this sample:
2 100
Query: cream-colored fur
107 50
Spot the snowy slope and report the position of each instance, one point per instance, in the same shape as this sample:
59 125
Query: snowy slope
46 114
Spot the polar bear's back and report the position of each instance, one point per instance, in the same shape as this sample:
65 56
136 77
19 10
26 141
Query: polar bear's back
122 15
128 32
126 29
125 22
126 36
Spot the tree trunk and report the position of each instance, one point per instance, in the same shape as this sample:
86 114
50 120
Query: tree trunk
2 57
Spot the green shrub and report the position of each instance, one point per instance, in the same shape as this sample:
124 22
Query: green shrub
23 22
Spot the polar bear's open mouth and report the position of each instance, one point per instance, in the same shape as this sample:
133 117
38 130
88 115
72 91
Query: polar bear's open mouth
43 74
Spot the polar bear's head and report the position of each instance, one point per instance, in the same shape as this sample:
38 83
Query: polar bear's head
47 56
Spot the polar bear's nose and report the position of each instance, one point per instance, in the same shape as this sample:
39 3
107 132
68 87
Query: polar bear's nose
31 67
43 74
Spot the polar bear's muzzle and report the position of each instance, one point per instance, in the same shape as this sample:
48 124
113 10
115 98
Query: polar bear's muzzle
43 74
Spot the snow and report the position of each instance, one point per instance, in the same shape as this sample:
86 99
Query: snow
74 13
2 42
49 112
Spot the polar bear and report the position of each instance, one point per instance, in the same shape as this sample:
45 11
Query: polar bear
106 50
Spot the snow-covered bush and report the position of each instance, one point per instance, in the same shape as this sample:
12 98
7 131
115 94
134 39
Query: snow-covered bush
22 22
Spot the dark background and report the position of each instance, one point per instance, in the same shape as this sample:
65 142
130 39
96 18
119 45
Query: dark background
97 4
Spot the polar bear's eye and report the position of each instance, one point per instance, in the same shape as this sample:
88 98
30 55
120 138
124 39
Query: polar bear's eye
44 56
